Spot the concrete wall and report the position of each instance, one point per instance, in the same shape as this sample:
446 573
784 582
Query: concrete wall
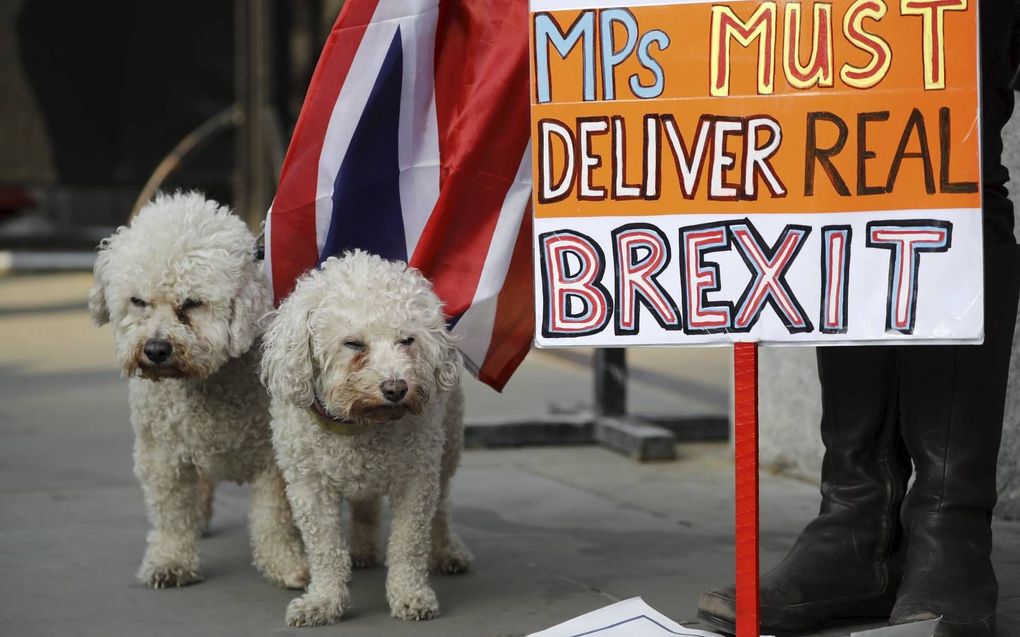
790 443
1009 456
789 410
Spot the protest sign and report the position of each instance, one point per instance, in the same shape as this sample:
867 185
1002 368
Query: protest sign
797 172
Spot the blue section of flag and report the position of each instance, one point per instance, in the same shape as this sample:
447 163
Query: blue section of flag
366 192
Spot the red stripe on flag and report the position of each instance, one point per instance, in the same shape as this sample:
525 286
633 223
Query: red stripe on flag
514 327
293 248
481 77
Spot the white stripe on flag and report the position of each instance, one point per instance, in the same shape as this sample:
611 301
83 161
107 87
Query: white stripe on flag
474 329
267 263
404 10
418 135
347 112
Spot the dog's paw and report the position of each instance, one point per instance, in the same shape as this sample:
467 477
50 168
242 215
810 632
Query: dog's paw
451 559
295 578
283 563
453 562
168 575
314 610
419 605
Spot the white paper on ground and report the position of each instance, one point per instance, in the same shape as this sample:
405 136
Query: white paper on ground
916 629
629 618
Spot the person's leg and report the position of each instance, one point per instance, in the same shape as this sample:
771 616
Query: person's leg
843 563
953 397
998 70
952 408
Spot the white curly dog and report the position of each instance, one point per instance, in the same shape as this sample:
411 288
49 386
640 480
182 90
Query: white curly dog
184 292
366 402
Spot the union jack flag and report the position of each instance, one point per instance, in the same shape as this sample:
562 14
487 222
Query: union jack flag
412 143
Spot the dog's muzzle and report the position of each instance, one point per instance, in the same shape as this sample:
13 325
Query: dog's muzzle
156 361
157 350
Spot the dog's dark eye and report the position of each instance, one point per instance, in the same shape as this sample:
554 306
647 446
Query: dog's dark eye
406 341
190 304
137 302
354 344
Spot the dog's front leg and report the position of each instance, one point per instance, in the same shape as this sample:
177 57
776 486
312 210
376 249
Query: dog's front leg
449 555
407 584
317 515
171 500
275 541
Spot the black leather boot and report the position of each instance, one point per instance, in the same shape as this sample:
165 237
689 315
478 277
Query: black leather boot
952 407
843 563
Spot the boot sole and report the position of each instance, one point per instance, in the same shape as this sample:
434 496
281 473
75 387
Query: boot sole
806 616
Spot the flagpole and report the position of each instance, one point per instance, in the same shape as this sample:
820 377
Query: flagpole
745 402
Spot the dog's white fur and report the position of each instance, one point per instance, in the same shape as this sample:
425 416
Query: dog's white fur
185 273
343 332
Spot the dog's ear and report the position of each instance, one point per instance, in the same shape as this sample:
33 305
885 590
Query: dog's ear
449 366
247 308
286 367
97 295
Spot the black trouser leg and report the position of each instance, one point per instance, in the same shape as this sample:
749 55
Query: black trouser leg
952 407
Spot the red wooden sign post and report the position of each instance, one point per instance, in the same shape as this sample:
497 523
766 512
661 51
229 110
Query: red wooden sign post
745 401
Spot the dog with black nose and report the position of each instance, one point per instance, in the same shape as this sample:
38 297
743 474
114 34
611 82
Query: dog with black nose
184 292
366 404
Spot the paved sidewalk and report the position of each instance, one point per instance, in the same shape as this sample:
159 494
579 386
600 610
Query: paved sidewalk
556 531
